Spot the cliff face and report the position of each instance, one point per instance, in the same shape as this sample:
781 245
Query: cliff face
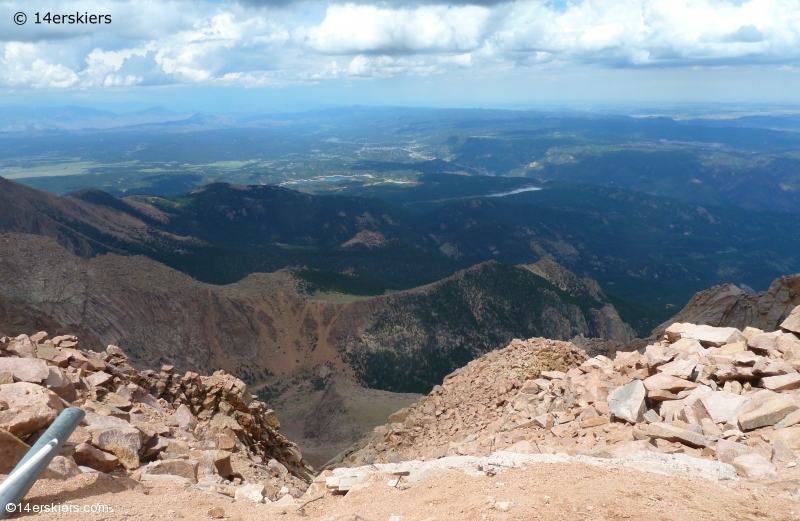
730 306
159 315
263 326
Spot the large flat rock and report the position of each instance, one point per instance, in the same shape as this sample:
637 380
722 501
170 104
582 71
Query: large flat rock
754 466
665 382
668 432
30 407
708 336
765 409
723 406
31 370
790 436
786 382
792 322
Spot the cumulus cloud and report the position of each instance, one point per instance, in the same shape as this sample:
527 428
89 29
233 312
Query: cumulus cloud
354 28
253 42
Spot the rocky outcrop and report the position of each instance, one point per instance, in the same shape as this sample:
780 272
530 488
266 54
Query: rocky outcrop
730 306
703 391
149 423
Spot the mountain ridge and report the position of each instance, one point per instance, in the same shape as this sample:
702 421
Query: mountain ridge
263 327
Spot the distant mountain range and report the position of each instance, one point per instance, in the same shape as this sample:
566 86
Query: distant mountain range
18 119
67 263
275 281
651 254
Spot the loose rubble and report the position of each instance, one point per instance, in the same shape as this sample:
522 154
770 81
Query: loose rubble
701 391
207 432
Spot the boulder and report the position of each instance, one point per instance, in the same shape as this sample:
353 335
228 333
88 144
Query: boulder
12 450
116 436
728 450
225 442
690 345
48 353
680 368
764 410
722 407
39 337
88 456
116 351
766 367
786 382
708 336
790 436
183 418
627 402
251 492
781 452
666 431
61 468
733 348
58 382
185 468
156 445
30 408
30 370
658 355
793 418
792 322
118 402
222 464
104 409
762 344
99 379
22 347
664 382
754 466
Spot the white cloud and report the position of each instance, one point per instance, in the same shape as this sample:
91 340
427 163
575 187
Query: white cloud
184 41
354 28
22 65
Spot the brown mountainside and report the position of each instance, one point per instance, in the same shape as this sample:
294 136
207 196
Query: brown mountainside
263 326
81 227
560 276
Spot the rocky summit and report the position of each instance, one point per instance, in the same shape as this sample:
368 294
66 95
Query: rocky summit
701 391
703 417
206 432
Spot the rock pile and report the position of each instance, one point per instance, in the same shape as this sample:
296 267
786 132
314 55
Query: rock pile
208 431
704 391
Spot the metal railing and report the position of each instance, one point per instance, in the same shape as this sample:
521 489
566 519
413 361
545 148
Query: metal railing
28 470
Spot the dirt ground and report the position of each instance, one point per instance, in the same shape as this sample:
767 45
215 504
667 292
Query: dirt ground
569 491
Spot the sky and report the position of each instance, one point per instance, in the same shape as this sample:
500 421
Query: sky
242 55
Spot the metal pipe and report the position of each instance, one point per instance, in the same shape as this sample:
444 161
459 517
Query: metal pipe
28 470
18 472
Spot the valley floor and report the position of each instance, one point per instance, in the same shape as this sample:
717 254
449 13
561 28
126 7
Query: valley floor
324 424
561 491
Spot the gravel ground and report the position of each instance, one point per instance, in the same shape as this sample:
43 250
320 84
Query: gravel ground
538 491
